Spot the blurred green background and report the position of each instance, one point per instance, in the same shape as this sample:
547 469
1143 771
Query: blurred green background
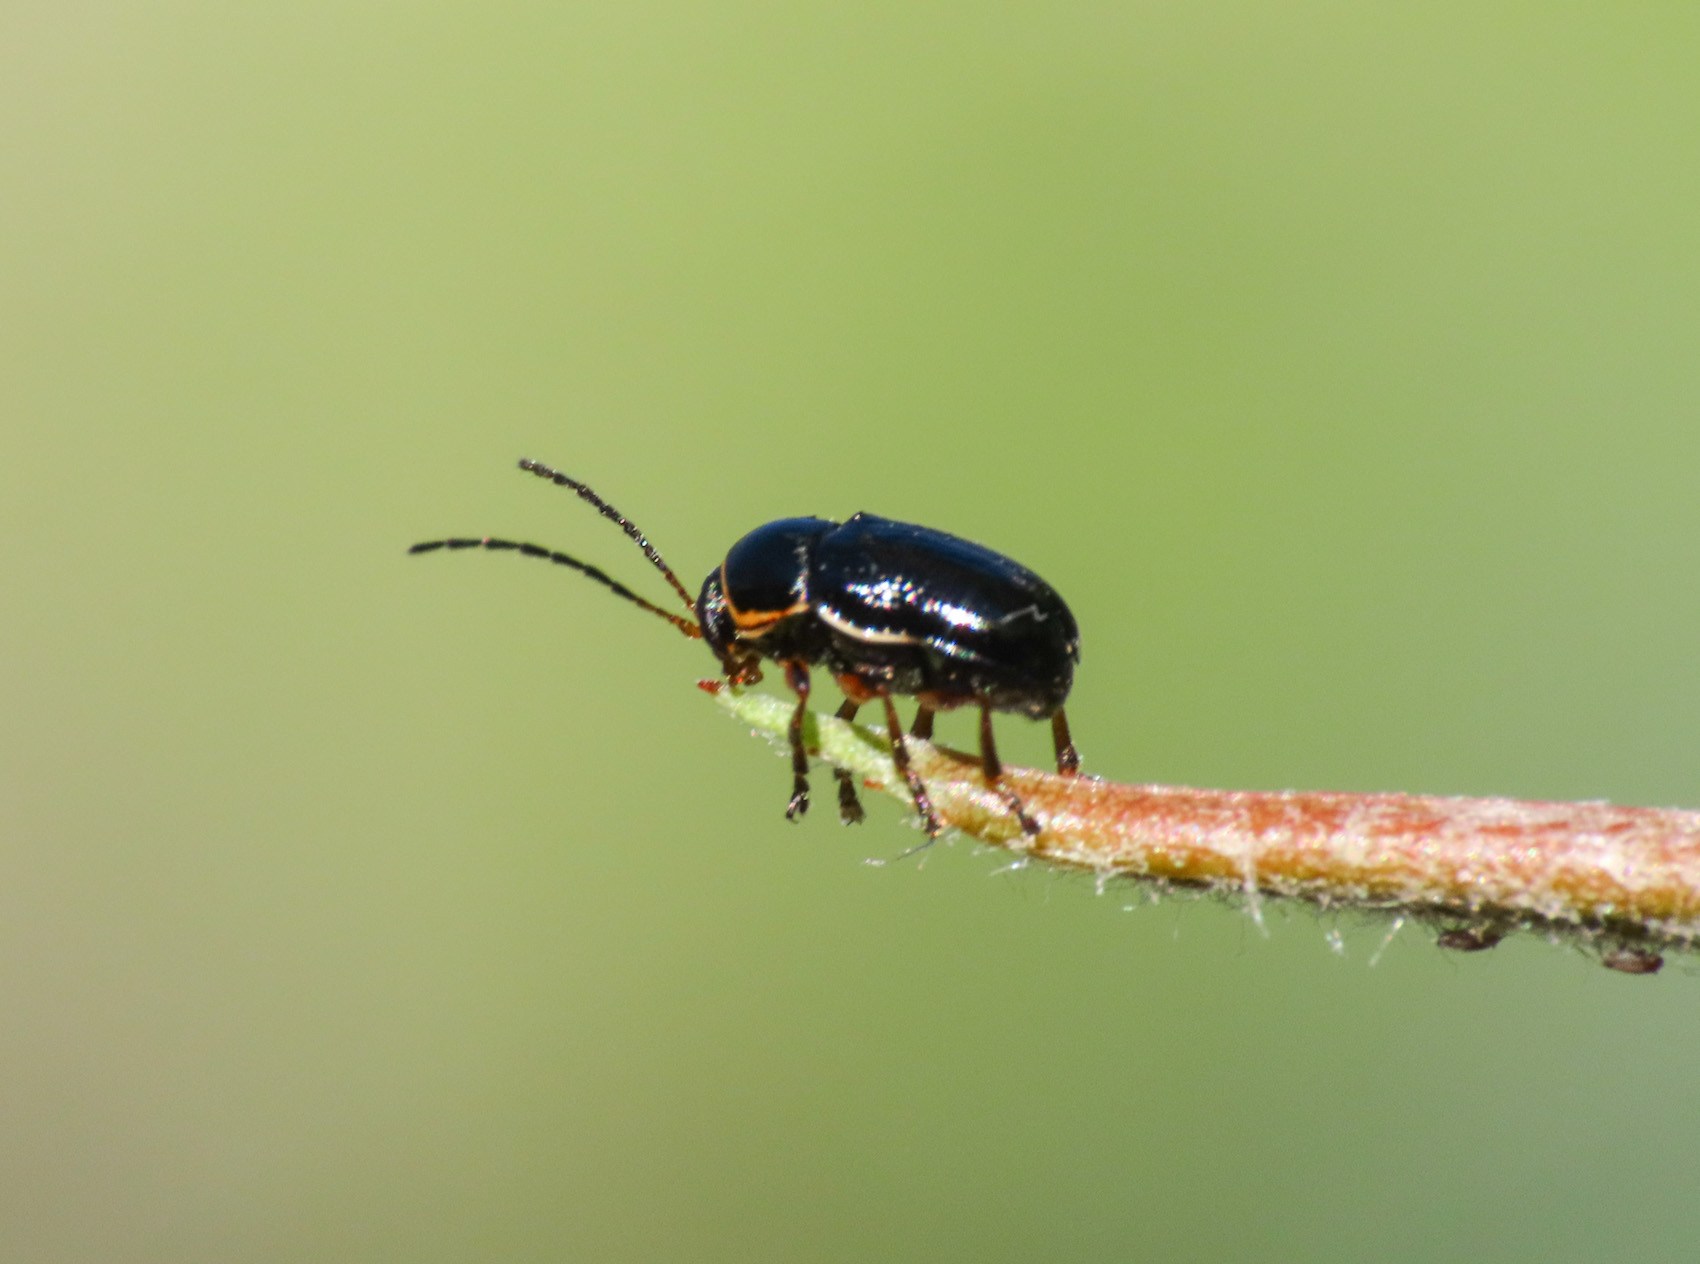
1337 363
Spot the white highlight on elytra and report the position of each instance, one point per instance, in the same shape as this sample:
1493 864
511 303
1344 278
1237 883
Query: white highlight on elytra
872 636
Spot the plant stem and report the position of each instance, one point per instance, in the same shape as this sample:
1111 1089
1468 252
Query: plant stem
1625 881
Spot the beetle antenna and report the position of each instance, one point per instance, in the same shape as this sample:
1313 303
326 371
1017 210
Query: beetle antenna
613 515
687 626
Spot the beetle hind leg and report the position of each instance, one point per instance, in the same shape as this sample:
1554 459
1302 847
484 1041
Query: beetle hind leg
1068 759
797 676
849 805
992 769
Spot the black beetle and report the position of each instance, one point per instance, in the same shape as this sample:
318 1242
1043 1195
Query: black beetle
888 608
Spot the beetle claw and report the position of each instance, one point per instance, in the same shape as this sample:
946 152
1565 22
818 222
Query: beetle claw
799 805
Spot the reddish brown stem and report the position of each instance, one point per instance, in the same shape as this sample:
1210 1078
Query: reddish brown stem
1590 866
1625 879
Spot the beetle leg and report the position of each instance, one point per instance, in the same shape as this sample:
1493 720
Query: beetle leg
1068 759
797 676
849 806
900 755
993 771
923 726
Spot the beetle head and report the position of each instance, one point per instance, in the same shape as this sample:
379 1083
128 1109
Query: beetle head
719 629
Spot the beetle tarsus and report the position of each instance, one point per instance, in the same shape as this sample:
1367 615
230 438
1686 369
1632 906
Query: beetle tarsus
849 804
991 767
799 805
1029 826
1012 801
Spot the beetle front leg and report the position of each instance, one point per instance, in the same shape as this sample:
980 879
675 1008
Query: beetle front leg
992 769
900 755
849 806
797 676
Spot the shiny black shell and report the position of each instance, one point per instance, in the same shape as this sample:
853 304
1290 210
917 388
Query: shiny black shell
894 608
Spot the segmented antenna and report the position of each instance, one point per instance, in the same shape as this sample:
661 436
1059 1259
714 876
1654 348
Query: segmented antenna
687 626
614 515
